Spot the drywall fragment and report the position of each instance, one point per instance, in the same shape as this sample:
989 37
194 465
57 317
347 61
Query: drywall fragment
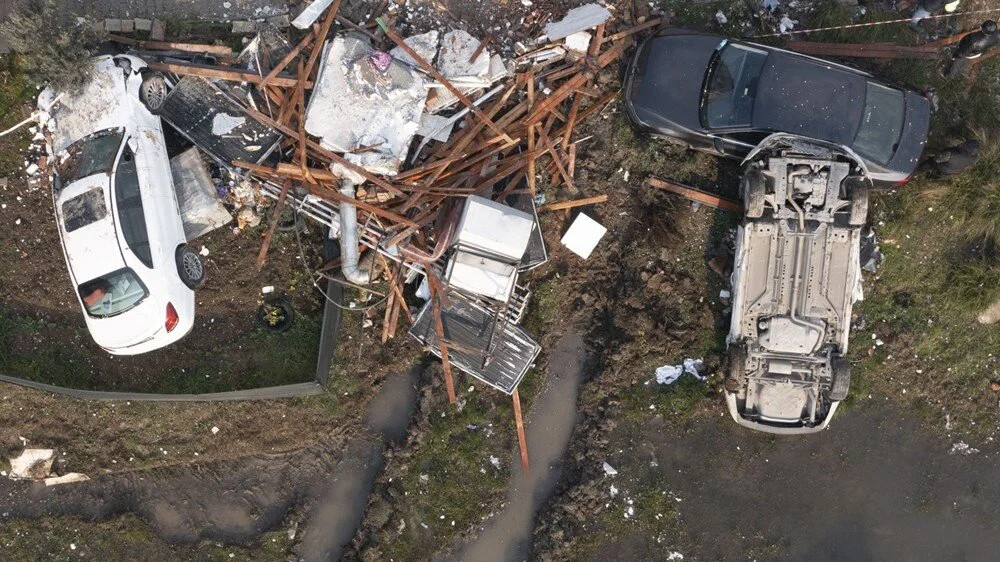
577 19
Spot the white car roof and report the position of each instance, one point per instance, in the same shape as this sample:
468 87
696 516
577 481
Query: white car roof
101 104
91 250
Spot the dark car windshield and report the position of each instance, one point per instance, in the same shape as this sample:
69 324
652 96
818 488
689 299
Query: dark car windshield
881 123
731 86
113 293
93 154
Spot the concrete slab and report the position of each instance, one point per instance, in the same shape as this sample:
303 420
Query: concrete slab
143 24
113 25
158 31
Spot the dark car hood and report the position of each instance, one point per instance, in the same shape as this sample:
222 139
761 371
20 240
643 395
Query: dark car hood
809 98
667 76
914 137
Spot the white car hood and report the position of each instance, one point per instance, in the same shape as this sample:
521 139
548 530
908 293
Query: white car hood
100 104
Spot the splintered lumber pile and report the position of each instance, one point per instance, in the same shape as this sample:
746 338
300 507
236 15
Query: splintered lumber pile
501 145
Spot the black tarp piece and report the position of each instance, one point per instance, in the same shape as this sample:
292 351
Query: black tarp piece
216 123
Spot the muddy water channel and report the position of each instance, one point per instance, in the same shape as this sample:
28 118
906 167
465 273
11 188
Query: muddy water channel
549 426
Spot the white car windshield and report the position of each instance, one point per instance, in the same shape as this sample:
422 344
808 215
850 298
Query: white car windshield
113 293
93 154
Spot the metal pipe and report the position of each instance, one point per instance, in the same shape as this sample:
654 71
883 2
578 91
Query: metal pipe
350 257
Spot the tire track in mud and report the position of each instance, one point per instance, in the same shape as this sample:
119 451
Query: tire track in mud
236 501
508 537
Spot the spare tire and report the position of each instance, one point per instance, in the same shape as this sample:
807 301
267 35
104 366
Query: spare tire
841 368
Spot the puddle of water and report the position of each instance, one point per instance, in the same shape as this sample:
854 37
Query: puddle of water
549 427
336 517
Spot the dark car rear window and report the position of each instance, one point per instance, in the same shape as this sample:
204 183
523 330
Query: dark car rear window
112 294
881 123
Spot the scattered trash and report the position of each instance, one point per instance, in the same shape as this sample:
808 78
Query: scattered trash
69 478
613 490
667 374
583 235
962 448
609 470
495 462
223 123
721 18
32 464
870 255
578 42
215 430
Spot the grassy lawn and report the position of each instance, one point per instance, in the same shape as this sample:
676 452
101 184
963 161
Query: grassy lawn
120 540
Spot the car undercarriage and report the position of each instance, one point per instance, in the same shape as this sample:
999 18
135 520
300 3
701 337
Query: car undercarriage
794 282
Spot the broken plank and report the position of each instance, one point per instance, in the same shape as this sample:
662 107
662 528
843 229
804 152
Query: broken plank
222 73
326 192
287 131
440 78
632 30
698 195
306 41
574 203
219 50
275 216
522 441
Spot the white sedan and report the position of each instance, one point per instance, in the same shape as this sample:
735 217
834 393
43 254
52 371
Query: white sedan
117 212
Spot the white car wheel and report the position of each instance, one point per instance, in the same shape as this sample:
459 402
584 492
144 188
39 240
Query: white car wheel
190 267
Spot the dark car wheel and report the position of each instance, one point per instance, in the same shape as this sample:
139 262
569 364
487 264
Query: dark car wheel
190 268
859 205
841 379
153 92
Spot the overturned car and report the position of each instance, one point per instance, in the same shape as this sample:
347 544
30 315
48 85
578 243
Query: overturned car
795 279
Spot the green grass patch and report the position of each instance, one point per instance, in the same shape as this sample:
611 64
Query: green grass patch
124 539
451 484
65 356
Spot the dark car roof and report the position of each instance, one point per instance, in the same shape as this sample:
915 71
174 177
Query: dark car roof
673 70
809 98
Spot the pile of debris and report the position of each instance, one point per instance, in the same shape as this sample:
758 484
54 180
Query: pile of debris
330 126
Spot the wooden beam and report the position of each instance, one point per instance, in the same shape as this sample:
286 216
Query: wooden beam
326 192
449 381
440 78
275 215
698 195
217 50
632 30
305 42
574 203
324 30
522 441
330 155
222 73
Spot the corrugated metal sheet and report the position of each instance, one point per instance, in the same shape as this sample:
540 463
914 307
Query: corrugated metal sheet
191 108
467 329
